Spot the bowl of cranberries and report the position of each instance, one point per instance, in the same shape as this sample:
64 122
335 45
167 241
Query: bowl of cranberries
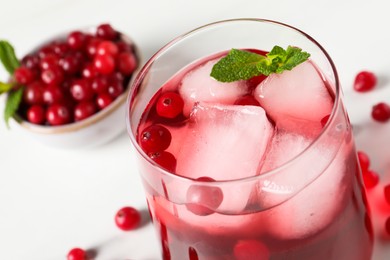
74 87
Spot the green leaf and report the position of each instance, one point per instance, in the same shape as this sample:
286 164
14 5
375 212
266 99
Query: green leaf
243 65
8 57
5 87
13 101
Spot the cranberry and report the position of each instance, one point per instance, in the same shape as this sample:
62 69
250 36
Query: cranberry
364 161
77 40
100 84
106 32
127 218
77 254
58 114
24 75
253 82
370 178
169 105
36 114
115 88
251 249
203 200
364 81
324 120
49 61
107 48
387 225
61 48
52 76
165 159
103 100
127 63
52 95
247 100
31 62
70 64
84 109
81 90
33 93
89 71
155 138
387 193
381 112
46 50
123 47
92 46
104 64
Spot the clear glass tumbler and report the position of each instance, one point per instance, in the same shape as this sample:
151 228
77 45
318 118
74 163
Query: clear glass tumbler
320 213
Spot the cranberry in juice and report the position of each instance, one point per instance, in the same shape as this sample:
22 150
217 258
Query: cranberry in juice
258 169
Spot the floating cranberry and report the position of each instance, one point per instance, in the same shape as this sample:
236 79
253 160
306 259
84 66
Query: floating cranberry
33 93
155 138
36 114
324 120
253 82
104 64
370 178
192 254
84 109
81 90
58 114
52 76
106 32
381 112
247 100
364 161
77 254
77 40
127 218
52 95
24 75
165 159
107 48
251 249
364 81
203 200
103 100
386 191
387 226
127 63
169 105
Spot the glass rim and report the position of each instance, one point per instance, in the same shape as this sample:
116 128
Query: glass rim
142 72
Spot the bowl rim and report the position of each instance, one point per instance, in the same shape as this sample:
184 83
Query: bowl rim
100 115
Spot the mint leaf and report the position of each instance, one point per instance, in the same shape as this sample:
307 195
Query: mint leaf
5 87
243 65
8 57
11 106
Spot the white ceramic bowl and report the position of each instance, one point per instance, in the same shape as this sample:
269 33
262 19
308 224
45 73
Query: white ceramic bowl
90 132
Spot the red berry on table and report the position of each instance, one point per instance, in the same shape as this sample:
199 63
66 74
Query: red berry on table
107 48
169 105
52 76
381 112
24 75
251 249
106 32
155 138
203 200
81 90
33 93
165 159
52 95
58 114
36 114
364 81
103 100
77 254
126 63
127 218
84 109
387 193
77 40
364 161
370 178
104 64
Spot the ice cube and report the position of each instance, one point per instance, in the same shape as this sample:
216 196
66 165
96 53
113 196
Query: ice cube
296 100
225 142
199 86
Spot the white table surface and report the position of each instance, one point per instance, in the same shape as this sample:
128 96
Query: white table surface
52 200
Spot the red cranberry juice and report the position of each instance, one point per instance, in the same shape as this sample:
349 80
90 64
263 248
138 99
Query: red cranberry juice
207 131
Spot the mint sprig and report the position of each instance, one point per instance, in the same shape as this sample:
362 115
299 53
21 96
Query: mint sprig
12 104
243 65
8 57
